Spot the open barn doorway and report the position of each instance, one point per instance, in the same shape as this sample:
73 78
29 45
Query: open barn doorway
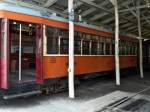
22 52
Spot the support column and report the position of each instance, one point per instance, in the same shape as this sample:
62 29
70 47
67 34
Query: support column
71 49
140 45
117 43
117 64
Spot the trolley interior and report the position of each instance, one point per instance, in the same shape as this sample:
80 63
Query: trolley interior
23 52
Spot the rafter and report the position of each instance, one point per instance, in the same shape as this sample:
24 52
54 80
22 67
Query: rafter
130 28
126 25
49 3
84 13
108 20
75 7
104 13
133 8
126 11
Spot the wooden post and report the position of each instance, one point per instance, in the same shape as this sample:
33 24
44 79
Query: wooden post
117 43
140 45
117 63
71 49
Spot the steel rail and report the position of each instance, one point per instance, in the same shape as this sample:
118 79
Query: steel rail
126 99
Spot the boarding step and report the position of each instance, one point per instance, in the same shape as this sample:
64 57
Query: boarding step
31 93
23 88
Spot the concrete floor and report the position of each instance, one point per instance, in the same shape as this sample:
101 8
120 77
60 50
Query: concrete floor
87 91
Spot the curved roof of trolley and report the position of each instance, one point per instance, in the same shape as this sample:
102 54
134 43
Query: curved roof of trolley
40 12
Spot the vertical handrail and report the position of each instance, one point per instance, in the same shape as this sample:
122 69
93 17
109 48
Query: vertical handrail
90 47
81 47
98 48
20 52
59 44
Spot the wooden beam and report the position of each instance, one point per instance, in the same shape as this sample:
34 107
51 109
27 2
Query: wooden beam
71 48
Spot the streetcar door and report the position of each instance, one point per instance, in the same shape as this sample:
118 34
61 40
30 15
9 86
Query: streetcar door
39 54
22 52
4 52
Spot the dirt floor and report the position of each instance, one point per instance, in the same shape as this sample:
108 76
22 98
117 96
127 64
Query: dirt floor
90 96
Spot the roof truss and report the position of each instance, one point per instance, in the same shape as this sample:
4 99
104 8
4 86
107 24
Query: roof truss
101 12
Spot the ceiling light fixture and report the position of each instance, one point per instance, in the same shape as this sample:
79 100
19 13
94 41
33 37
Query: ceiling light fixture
30 25
14 23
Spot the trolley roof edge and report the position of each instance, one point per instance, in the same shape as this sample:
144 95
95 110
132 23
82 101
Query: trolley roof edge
17 12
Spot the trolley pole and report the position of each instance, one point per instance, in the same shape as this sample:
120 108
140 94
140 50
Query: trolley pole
117 64
71 48
140 44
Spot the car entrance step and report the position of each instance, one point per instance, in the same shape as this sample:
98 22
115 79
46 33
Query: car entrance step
12 96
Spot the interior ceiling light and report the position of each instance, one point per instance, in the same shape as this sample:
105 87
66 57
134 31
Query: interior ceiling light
30 25
14 23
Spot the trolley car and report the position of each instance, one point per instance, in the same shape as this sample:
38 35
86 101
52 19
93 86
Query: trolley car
34 51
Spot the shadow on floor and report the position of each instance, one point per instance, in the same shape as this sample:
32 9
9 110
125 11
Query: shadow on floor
87 90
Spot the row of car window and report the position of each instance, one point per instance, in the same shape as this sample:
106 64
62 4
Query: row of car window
85 44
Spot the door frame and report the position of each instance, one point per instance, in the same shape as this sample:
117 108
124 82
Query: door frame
4 49
39 53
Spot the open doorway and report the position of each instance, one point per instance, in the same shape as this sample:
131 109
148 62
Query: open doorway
22 52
